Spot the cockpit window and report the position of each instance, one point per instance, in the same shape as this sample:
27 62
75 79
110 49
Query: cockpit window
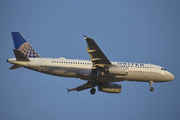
163 69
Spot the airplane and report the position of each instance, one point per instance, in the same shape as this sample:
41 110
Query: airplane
98 71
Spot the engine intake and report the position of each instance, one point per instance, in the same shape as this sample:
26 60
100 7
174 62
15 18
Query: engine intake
109 88
117 70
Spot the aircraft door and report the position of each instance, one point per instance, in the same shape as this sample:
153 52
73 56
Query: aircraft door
43 62
152 68
153 71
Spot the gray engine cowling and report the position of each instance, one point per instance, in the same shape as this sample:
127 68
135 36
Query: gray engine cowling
109 88
117 70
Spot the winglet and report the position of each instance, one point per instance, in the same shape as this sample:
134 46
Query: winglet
85 36
68 90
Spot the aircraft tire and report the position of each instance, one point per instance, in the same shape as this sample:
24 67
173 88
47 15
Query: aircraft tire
93 91
151 89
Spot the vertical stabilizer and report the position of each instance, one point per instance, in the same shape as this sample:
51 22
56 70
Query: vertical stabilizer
23 45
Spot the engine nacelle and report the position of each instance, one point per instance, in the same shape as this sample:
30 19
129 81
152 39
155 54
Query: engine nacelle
117 70
109 88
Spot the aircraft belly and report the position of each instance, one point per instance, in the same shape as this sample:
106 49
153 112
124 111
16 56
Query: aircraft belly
65 71
160 77
139 76
111 79
145 76
85 74
58 71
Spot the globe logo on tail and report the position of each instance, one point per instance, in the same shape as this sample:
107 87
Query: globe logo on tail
28 51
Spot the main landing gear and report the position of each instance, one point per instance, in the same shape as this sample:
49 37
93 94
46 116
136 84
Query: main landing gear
93 91
151 88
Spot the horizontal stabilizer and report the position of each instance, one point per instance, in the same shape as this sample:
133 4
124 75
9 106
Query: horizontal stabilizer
20 56
15 66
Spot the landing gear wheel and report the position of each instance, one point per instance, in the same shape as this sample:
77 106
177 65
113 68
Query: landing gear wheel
93 90
151 89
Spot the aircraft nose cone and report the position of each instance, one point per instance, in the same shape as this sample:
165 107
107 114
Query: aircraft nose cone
170 76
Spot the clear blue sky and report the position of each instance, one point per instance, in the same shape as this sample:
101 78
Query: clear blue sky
126 30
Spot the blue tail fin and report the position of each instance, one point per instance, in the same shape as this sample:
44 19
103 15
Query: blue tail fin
21 44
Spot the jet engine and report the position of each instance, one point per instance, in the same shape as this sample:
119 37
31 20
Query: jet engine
117 70
109 88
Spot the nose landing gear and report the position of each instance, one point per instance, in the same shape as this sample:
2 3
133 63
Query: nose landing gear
151 88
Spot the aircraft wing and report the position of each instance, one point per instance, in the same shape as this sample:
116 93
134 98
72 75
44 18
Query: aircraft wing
84 86
98 58
99 61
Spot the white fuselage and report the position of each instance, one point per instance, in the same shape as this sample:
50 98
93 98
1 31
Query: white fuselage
82 69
